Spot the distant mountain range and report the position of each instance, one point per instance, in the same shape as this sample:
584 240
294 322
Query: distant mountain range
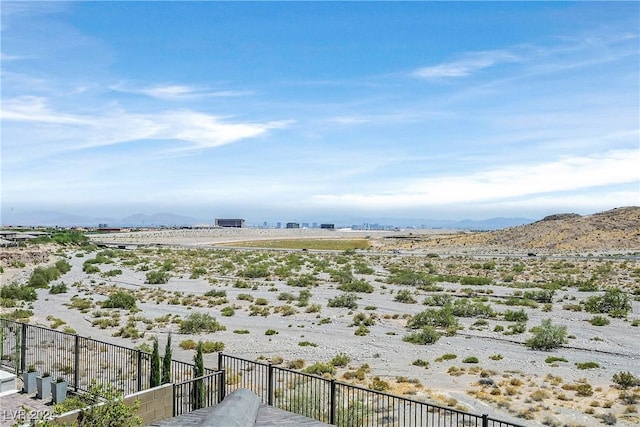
60 219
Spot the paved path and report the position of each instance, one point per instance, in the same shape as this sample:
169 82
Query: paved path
268 416
18 405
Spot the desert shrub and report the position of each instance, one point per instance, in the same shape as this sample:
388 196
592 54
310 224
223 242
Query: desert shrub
410 278
361 286
614 302
437 300
552 359
470 359
227 311
241 284
157 277
261 301
475 281
516 316
496 357
15 291
599 321
188 344
199 322
196 272
516 328
625 380
90 268
59 288
588 365
286 296
421 363
304 281
405 296
255 271
542 295
313 308
340 360
19 314
271 332
307 344
379 385
241 331
41 276
296 364
63 266
120 300
465 308
245 297
361 331
212 346
428 335
443 318
320 369
346 300
547 336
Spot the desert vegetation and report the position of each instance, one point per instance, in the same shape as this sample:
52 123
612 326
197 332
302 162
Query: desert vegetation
511 331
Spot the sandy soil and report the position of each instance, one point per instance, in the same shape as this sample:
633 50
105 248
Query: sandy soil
526 389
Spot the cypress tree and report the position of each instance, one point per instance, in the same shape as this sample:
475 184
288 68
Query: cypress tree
154 380
198 371
166 362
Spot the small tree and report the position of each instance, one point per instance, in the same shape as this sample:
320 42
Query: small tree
166 362
547 336
198 371
114 412
154 380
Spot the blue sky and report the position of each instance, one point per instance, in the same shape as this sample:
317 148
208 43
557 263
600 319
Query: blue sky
312 111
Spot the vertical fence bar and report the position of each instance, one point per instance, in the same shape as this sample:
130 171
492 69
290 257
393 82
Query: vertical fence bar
23 348
270 385
76 362
139 370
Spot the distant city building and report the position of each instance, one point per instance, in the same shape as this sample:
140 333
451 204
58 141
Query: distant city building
328 226
293 225
278 224
314 225
230 222
103 225
305 225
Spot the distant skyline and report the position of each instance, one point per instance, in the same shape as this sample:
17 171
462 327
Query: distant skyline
451 110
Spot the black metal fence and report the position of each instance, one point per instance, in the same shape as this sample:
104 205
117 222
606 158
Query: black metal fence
339 403
198 393
80 360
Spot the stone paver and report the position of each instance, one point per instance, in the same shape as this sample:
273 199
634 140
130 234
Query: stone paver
18 405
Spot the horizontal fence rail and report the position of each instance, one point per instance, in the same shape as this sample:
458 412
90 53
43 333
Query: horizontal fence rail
339 403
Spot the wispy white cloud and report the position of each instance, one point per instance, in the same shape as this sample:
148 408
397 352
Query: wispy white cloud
470 63
200 130
176 91
500 184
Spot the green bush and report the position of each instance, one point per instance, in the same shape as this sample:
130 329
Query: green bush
442 318
588 365
157 277
547 336
428 335
215 293
227 311
599 321
470 359
516 316
405 296
320 369
346 300
361 286
60 288
199 322
120 300
625 380
212 346
63 266
614 302
340 360
552 359
15 291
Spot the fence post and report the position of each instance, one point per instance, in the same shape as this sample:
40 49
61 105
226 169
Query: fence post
485 420
220 368
221 386
332 402
139 370
23 348
175 403
76 362
270 384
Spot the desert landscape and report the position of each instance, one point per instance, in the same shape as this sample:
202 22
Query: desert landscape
537 324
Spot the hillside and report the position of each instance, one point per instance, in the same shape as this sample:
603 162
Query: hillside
614 230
